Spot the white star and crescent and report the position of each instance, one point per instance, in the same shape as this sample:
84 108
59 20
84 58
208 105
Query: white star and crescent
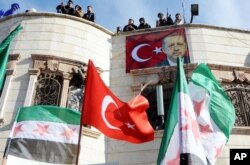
135 56
106 101
130 126
157 50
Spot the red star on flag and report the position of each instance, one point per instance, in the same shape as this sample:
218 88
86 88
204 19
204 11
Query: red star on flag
199 106
191 125
42 129
68 133
218 151
205 129
17 129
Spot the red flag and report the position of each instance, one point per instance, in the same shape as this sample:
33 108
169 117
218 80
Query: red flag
116 119
145 50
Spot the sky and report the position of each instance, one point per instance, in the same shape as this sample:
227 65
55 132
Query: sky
113 13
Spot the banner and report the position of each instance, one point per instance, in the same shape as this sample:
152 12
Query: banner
156 49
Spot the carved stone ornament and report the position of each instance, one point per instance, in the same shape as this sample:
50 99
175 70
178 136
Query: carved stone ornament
56 64
52 65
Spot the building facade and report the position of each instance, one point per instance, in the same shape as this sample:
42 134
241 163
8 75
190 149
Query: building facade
55 49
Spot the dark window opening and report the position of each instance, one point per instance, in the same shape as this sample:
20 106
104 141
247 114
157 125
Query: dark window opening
48 89
75 93
156 120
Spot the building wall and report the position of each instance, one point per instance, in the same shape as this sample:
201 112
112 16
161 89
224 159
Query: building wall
60 36
213 45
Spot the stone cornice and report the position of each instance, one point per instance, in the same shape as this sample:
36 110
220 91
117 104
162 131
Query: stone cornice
44 57
223 73
37 14
58 63
14 57
161 69
241 130
90 133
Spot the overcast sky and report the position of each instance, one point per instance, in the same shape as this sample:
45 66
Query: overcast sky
113 13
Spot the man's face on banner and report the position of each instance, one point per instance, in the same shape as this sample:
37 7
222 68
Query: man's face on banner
174 46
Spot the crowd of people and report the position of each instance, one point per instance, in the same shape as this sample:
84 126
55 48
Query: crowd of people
90 15
76 11
161 21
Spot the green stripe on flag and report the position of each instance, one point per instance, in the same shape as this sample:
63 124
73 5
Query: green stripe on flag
172 114
4 50
221 108
48 113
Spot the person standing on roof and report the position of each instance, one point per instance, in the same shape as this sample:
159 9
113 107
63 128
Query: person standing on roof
143 24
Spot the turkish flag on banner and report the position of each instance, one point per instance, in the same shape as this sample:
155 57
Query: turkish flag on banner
145 50
116 119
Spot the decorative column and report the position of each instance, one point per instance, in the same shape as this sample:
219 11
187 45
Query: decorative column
64 95
31 87
12 60
5 92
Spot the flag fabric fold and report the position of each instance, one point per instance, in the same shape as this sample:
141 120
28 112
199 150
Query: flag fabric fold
4 51
44 135
214 109
195 129
116 119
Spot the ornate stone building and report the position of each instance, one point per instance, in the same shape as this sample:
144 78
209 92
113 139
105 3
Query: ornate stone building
47 65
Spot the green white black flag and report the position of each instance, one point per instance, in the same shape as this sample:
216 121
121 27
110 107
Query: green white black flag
44 135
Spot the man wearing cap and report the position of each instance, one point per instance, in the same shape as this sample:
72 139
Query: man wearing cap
143 24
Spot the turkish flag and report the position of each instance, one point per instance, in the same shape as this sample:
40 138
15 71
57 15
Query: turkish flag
114 118
145 50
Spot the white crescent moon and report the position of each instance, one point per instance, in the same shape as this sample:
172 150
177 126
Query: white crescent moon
106 101
135 56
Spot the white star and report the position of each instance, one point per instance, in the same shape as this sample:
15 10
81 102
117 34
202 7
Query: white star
130 126
157 50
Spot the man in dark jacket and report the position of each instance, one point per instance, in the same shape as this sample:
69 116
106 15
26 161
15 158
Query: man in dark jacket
90 15
143 24
130 26
162 21
68 9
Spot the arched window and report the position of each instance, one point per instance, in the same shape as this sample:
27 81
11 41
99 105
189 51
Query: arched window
48 89
56 81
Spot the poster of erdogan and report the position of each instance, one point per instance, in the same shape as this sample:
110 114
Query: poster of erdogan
156 49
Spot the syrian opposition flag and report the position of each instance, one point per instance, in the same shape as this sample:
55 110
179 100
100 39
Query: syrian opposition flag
214 111
145 50
116 119
44 135
188 138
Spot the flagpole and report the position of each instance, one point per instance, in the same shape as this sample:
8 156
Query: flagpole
79 139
